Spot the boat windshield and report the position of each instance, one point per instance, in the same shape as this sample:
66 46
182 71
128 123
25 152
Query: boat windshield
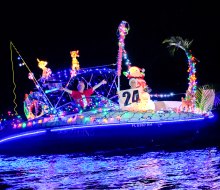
48 99
92 103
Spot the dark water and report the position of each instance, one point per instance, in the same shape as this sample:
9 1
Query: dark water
188 169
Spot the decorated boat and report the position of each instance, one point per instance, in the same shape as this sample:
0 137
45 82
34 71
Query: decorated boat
109 117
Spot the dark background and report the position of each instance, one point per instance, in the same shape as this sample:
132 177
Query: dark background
49 31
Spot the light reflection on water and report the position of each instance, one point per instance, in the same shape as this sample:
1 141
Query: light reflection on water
191 169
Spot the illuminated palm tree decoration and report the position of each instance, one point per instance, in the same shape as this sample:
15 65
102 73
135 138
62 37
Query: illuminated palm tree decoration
205 98
177 42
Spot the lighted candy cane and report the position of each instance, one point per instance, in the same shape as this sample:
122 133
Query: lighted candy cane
122 32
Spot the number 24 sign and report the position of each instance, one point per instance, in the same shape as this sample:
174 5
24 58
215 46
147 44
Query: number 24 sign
128 96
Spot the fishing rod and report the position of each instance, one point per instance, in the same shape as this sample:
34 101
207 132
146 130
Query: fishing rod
38 86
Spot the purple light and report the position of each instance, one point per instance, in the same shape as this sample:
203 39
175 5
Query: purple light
22 135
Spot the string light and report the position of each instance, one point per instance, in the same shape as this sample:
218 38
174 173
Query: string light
122 32
21 64
164 95
192 72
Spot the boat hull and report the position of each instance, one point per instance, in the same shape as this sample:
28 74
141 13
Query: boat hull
78 138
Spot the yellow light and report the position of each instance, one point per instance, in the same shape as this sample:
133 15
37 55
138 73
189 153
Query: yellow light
105 120
40 121
70 120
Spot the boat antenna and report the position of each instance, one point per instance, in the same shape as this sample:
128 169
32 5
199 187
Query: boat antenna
121 32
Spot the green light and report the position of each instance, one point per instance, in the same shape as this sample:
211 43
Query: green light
24 125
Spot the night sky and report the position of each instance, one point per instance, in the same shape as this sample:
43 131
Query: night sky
50 31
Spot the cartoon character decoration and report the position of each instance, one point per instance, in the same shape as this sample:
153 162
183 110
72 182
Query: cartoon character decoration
138 74
187 102
187 105
75 62
138 92
46 71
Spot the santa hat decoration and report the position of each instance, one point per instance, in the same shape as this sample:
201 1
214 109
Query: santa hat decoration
134 72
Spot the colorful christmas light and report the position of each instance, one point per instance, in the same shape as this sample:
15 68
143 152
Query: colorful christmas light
122 32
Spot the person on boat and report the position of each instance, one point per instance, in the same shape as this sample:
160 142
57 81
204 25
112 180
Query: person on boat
133 83
82 96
